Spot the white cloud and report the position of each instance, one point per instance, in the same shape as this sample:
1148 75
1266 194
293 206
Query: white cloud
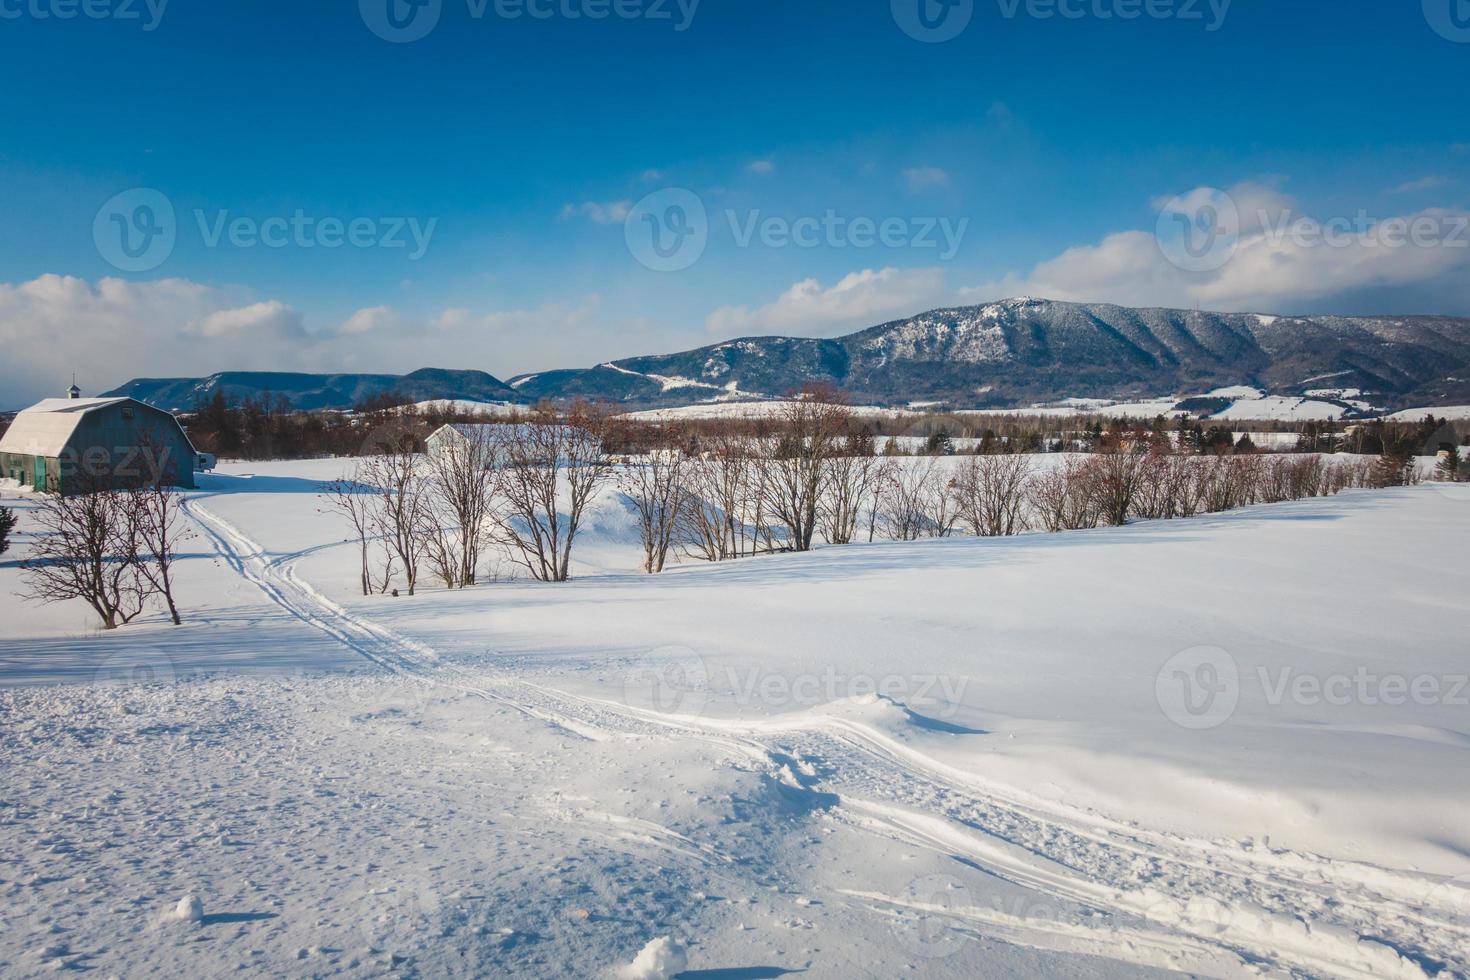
115 330
608 213
369 319
925 178
652 174
1429 183
1280 263
763 168
258 322
860 299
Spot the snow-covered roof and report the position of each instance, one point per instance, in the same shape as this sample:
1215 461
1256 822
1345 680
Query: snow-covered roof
44 428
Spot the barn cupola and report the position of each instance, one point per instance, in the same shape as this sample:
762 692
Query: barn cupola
73 392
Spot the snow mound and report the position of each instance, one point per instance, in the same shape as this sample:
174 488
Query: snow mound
659 960
189 909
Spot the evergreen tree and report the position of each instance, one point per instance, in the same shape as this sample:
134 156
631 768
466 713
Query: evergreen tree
1447 469
7 524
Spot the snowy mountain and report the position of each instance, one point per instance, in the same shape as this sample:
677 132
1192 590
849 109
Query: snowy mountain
1014 352
314 391
1023 351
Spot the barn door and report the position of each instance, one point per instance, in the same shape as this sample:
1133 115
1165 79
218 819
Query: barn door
41 473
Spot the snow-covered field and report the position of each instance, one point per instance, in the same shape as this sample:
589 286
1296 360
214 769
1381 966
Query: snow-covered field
1237 745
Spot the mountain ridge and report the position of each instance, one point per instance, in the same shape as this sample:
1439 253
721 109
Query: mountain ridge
1005 354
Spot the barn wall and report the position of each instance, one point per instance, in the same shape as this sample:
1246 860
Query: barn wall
106 442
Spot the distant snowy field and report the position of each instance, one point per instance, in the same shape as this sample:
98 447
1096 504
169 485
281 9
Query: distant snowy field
1237 745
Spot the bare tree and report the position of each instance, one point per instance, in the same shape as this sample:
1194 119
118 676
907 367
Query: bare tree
1061 497
990 493
918 501
156 513
401 510
1114 477
464 475
85 548
797 460
852 482
724 515
358 503
655 484
538 458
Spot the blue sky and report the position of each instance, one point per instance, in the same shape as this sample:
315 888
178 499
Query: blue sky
522 145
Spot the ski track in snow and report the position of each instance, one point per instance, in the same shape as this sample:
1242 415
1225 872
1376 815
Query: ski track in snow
1222 908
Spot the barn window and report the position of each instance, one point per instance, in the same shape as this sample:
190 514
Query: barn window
127 411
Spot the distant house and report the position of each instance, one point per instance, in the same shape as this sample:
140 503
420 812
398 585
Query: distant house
461 436
1443 440
73 444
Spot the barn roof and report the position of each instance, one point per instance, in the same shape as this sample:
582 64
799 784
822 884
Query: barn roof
45 427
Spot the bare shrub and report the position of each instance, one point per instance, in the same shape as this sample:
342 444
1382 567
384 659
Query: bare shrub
463 478
1114 478
796 461
1061 497
724 515
356 501
85 548
851 490
918 501
401 511
156 513
990 494
655 485
538 458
